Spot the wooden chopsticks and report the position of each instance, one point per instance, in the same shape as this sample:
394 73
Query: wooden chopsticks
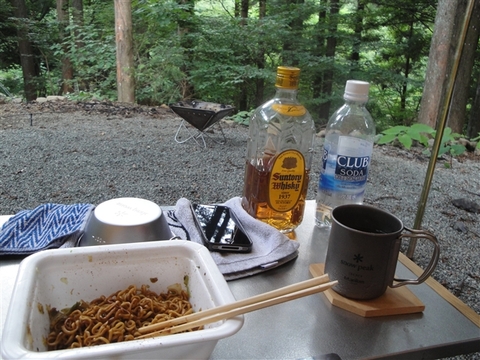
274 297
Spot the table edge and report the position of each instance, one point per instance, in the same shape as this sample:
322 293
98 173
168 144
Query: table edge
467 311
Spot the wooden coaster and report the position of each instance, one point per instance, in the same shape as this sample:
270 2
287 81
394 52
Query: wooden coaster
394 302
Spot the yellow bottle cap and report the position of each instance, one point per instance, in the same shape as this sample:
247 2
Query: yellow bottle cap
287 77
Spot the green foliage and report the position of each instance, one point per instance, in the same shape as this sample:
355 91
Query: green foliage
448 144
82 96
421 133
11 80
224 55
395 46
160 80
242 117
8 43
94 60
477 139
406 134
210 53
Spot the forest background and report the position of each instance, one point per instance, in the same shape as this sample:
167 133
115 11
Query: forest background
227 51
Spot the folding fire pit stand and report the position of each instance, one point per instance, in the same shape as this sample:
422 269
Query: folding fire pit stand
202 116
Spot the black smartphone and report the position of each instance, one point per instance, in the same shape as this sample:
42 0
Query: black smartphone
219 229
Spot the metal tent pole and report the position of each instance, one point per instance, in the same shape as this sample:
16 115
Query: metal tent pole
440 129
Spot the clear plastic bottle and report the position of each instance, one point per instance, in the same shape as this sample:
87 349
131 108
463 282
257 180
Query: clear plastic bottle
279 156
346 153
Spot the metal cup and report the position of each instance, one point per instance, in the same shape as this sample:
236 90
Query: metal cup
363 249
125 220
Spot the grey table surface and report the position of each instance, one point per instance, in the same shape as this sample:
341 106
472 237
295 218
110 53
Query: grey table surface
312 328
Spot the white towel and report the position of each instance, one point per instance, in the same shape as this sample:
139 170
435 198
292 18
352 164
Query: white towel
270 247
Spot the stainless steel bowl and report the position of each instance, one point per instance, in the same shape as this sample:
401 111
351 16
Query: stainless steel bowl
125 220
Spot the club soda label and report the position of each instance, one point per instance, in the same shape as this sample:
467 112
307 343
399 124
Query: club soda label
286 180
349 168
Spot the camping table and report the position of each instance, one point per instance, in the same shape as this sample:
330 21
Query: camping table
311 327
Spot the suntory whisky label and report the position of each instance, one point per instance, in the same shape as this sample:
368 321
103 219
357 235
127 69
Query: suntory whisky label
286 180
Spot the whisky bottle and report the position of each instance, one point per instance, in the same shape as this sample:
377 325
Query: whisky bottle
279 156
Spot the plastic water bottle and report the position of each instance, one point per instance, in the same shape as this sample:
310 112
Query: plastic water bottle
346 153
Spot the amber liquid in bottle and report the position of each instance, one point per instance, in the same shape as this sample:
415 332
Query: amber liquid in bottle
279 156
256 184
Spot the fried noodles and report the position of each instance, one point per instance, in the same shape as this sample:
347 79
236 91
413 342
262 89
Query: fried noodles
114 318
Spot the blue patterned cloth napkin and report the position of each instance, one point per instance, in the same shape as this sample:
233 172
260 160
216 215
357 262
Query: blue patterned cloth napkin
44 227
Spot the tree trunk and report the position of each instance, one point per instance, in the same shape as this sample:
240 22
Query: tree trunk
237 8
330 53
67 68
243 98
244 7
357 39
463 81
25 50
77 16
296 29
406 69
473 129
260 61
124 41
437 67
186 24
319 51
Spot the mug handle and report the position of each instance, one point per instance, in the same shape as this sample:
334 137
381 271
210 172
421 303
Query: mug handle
433 261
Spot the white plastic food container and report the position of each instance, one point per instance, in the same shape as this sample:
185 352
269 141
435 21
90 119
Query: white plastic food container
59 278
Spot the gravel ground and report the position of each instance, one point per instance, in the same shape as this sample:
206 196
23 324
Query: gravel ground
68 156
